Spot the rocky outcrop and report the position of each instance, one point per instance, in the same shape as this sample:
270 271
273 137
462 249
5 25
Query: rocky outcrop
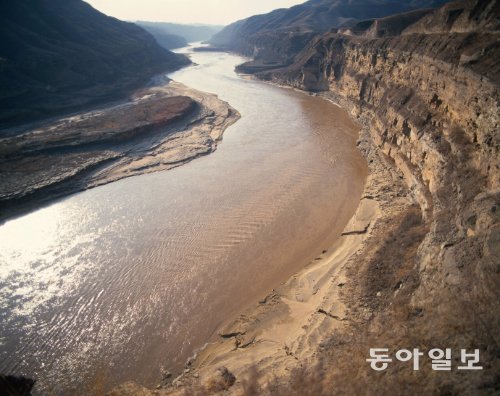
385 27
15 386
58 56
433 99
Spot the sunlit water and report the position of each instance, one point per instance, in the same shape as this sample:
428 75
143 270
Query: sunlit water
111 284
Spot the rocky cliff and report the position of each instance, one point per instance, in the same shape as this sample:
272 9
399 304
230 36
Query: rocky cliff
433 97
429 100
62 55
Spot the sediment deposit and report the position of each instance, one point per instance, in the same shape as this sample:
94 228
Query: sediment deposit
157 129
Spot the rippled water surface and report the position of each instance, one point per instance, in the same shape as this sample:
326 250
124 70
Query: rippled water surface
113 283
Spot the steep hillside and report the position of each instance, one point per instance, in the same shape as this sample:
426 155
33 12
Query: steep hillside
191 33
460 17
61 55
254 36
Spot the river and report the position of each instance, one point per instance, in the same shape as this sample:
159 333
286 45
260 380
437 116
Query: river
118 282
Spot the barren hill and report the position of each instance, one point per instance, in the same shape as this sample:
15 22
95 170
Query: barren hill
62 55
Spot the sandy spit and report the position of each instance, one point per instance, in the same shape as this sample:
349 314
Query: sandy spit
157 129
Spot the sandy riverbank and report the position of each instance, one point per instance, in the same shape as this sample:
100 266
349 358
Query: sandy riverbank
157 129
285 330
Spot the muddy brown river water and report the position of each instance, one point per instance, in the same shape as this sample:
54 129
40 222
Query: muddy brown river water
114 283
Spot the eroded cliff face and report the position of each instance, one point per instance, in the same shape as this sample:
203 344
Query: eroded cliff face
427 112
430 101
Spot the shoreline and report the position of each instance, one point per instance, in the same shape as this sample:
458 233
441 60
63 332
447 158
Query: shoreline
425 254
104 145
283 331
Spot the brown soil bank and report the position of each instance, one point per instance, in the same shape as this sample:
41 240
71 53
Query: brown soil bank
418 266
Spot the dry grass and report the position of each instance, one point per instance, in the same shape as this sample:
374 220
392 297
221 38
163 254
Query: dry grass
386 283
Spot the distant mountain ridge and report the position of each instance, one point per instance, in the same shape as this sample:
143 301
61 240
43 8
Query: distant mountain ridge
314 16
166 40
191 33
62 55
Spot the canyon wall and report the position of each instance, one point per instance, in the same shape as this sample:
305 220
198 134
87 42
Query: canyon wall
429 99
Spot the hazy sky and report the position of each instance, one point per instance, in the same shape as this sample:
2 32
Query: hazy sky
216 12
